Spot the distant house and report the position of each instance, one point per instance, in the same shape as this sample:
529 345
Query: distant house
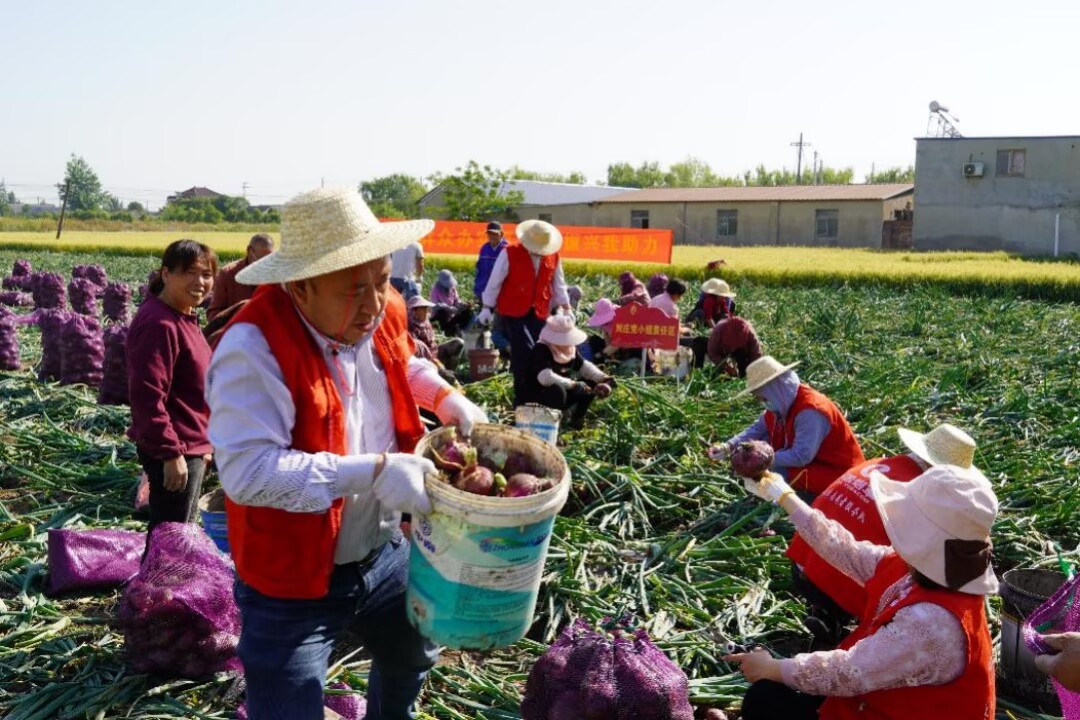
193 193
824 215
34 209
998 193
537 194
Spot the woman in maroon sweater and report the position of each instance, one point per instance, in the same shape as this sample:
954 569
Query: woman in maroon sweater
167 358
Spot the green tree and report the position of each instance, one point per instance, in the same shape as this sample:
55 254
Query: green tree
85 188
7 199
893 175
112 203
647 175
394 196
694 172
762 176
135 207
475 192
573 178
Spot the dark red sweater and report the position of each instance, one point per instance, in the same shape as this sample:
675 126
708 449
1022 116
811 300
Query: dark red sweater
167 358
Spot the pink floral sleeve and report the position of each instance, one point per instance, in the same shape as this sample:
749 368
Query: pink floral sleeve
923 645
838 547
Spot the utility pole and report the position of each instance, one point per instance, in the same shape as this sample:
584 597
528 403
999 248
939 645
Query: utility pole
798 165
815 168
63 208
243 188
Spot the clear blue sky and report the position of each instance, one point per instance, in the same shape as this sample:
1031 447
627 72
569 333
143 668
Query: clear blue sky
281 95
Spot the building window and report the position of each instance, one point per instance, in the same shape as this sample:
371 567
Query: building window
828 223
727 223
1010 163
546 217
639 219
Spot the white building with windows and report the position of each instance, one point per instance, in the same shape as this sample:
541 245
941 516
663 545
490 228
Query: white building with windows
822 215
1018 194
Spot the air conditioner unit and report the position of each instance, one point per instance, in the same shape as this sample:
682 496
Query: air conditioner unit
973 170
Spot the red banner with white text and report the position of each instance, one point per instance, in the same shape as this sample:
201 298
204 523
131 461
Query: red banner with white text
452 237
637 326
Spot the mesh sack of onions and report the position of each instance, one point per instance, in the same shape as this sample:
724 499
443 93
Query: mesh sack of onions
595 674
94 273
48 290
115 301
9 342
21 268
51 323
114 376
178 614
82 351
15 298
82 294
14 282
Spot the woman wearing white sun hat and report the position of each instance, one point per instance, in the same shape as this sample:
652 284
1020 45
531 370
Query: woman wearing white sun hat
313 395
813 441
922 648
834 597
559 377
525 284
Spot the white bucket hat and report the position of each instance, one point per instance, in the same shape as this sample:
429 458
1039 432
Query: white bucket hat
944 445
939 523
603 313
716 286
539 237
763 371
327 230
560 330
418 301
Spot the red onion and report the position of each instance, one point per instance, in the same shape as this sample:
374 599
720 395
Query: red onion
9 342
114 378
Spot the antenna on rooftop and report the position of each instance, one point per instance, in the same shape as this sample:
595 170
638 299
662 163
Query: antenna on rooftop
941 124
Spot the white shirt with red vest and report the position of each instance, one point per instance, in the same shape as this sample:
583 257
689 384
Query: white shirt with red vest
251 430
490 298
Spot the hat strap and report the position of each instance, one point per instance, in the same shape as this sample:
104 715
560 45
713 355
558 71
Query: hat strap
965 560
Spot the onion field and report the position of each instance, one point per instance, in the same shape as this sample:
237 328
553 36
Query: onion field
652 528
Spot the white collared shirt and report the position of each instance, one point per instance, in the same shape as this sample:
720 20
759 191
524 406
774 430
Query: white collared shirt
501 269
251 420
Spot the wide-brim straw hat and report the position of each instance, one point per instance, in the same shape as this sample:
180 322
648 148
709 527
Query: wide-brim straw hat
763 371
418 301
603 313
944 445
327 230
560 330
716 286
539 237
940 523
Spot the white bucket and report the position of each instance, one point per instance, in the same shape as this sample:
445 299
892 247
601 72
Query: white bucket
541 421
673 363
476 562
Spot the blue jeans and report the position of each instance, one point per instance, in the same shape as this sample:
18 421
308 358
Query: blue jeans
285 644
408 288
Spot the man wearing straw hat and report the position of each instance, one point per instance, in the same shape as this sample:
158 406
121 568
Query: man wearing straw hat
922 648
813 441
526 282
833 596
313 394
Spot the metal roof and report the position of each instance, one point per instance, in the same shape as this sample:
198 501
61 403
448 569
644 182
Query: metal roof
790 193
543 193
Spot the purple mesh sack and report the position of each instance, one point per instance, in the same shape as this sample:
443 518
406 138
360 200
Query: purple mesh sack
115 301
9 342
93 273
600 676
1061 613
82 351
93 559
21 268
16 298
114 374
52 324
178 614
20 282
48 290
82 294
349 707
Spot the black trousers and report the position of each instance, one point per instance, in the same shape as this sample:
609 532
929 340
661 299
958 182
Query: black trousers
699 346
768 700
173 505
573 403
523 333
833 619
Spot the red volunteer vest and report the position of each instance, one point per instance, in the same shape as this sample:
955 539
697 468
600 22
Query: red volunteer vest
290 554
839 450
969 697
848 501
524 288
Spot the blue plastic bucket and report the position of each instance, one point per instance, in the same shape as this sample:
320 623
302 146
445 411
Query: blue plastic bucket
476 562
541 421
212 511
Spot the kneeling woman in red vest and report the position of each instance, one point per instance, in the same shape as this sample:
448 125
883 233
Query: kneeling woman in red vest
922 648
813 441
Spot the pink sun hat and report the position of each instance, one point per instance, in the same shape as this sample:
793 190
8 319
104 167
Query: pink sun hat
603 314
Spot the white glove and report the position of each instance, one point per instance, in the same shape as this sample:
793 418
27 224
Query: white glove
771 487
456 409
719 453
485 317
400 484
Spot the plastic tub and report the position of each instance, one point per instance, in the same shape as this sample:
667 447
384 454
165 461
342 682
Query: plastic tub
212 511
1023 592
541 421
